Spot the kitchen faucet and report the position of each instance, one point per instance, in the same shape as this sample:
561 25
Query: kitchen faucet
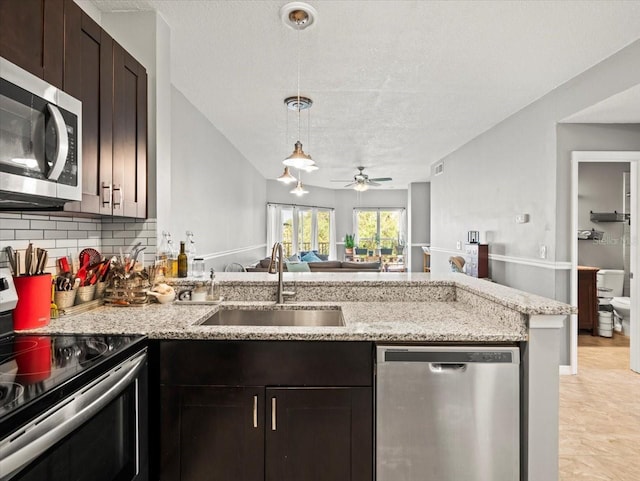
277 251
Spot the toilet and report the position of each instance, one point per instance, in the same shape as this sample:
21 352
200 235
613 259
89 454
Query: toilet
610 285
622 307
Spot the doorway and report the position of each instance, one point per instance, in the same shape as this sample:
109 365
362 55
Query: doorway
633 158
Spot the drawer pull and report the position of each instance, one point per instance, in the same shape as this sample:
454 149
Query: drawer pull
273 414
255 411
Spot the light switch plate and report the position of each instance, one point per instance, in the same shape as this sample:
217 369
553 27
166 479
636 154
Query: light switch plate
458 245
543 252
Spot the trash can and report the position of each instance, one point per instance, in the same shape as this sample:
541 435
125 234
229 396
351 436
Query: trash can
605 324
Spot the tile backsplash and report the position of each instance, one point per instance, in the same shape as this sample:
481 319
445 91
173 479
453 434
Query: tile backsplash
62 235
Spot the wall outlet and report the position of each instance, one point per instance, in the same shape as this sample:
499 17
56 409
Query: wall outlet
522 218
459 245
542 252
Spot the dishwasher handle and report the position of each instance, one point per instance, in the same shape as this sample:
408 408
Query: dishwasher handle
443 367
442 355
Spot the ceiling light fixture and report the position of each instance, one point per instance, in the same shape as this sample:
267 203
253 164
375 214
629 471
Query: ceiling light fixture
286 177
299 190
361 186
299 16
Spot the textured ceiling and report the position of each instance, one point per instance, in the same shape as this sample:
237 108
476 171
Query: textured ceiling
396 85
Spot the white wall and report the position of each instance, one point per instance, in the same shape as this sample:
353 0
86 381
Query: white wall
515 168
419 222
601 189
215 192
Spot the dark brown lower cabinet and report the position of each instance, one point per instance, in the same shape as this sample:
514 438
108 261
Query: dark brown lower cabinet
216 424
213 433
319 434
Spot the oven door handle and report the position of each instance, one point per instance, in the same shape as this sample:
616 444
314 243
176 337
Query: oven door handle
16 452
63 143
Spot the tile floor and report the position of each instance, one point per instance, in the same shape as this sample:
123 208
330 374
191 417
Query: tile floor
600 414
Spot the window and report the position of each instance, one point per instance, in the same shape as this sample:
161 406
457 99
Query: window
380 229
301 229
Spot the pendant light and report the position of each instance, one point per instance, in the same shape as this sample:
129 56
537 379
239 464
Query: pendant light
298 16
286 177
299 190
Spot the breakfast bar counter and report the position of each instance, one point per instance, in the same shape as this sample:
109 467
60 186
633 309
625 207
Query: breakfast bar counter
388 307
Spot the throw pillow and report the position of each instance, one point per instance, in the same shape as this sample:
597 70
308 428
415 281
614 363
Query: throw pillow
310 257
294 258
297 267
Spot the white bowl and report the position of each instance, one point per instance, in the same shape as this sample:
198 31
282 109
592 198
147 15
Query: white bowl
163 298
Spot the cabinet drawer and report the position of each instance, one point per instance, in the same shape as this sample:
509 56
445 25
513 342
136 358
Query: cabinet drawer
272 363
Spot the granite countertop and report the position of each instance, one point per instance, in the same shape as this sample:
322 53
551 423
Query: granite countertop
370 321
480 311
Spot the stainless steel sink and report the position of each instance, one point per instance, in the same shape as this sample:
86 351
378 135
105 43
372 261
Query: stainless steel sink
276 317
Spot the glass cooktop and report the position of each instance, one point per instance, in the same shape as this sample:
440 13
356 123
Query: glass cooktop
36 371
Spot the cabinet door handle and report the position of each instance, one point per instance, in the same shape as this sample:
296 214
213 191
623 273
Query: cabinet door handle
255 411
273 414
106 194
116 188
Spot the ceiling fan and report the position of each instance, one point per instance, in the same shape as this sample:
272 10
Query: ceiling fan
362 182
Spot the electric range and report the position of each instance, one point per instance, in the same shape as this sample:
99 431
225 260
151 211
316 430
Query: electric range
37 371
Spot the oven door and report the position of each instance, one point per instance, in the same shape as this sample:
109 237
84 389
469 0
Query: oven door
98 435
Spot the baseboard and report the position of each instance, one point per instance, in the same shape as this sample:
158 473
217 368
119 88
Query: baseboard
565 370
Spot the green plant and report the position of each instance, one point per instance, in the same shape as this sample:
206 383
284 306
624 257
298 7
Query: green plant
349 241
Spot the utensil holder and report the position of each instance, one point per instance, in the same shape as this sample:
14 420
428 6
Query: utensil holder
34 302
65 299
85 294
100 288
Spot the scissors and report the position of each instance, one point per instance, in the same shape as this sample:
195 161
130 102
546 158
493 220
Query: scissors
63 283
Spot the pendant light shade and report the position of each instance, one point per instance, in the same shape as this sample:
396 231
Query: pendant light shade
298 158
286 177
299 190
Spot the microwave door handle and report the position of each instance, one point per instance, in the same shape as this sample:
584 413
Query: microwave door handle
63 143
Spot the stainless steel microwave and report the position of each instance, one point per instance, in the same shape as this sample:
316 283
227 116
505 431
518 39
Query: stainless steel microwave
40 143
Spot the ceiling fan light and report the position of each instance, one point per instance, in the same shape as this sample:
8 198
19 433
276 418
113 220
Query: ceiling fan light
299 190
286 177
361 186
298 158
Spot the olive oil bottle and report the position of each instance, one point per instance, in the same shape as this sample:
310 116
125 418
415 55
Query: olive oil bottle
183 261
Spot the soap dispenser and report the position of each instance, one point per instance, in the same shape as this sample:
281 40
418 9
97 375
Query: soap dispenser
214 288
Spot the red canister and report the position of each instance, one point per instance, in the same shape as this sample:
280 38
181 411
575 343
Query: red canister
34 302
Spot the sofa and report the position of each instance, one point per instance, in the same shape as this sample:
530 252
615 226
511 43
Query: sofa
325 266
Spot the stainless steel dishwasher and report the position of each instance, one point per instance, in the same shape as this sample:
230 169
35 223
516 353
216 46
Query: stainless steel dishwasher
447 413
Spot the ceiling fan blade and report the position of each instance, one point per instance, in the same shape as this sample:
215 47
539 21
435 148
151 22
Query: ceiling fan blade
351 184
375 184
382 179
344 180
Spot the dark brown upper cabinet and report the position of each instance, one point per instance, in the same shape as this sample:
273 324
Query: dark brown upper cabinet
112 86
32 37
129 197
88 76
